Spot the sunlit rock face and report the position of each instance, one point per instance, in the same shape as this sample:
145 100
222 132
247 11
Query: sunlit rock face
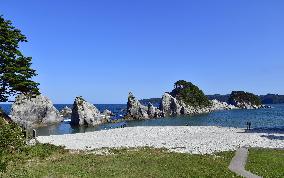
153 111
66 112
85 113
34 111
136 111
218 105
170 106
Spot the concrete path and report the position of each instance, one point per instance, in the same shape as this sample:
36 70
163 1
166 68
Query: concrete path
238 164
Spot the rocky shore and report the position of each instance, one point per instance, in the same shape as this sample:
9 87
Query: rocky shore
185 139
169 106
39 111
185 99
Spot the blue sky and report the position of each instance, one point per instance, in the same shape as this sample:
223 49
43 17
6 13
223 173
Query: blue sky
101 50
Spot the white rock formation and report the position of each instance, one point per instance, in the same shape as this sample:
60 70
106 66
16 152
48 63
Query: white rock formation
153 112
218 105
66 112
84 113
108 113
135 110
243 105
34 111
170 106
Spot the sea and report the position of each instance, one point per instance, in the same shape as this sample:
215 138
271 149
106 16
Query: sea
260 118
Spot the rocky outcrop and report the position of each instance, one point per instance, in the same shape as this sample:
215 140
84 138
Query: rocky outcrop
135 110
153 112
108 113
84 113
265 106
34 111
5 117
244 100
218 105
244 105
171 106
66 112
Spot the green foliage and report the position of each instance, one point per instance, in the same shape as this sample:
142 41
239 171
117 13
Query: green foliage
14 149
15 68
42 151
190 94
243 97
11 142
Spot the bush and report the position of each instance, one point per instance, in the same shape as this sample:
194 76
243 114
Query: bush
42 151
11 142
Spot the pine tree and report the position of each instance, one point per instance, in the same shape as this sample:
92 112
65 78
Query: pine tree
15 69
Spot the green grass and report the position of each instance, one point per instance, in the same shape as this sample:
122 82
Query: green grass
266 162
50 161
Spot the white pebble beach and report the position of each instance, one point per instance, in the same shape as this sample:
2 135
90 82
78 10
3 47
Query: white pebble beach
183 139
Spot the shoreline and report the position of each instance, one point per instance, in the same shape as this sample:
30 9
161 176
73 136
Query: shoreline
183 139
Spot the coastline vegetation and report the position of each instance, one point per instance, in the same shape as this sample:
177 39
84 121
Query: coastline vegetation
243 97
265 99
11 142
190 94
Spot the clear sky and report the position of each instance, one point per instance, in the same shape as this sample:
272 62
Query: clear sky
103 49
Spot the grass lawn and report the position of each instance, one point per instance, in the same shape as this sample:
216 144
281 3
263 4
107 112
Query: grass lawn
266 162
143 162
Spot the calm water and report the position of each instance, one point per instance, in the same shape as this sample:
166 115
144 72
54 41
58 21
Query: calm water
271 118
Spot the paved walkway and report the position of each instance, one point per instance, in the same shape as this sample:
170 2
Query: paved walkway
238 164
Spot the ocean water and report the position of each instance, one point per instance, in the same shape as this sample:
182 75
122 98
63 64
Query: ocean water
269 118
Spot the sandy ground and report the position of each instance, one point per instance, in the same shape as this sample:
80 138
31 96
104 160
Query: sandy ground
185 139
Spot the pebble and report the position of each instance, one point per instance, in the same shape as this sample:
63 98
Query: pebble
188 139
